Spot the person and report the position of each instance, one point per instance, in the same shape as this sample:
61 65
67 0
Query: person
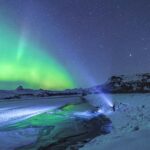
114 107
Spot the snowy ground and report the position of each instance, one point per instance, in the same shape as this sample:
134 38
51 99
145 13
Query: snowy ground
131 123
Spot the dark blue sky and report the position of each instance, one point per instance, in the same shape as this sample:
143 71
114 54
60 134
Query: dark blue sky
92 39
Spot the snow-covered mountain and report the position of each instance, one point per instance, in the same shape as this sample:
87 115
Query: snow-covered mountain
139 83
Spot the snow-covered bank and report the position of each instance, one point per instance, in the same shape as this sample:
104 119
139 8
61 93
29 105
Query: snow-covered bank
131 124
48 123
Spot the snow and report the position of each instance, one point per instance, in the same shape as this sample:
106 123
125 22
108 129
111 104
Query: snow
131 120
9 140
138 140
133 77
131 124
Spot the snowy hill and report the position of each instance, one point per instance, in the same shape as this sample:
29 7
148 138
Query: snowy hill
131 125
139 83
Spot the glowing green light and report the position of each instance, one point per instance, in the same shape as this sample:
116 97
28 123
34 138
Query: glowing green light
21 62
46 119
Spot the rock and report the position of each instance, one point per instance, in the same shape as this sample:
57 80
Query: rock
71 131
79 130
136 128
20 87
139 83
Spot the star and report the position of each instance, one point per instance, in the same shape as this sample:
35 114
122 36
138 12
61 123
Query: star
130 55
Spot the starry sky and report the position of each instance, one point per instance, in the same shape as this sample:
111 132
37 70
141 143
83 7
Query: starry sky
90 39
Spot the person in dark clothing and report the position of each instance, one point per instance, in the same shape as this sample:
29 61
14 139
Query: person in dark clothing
114 107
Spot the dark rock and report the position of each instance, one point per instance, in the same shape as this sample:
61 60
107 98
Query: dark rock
82 131
136 128
71 134
139 83
19 88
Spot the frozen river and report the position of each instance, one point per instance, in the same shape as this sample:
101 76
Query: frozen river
15 110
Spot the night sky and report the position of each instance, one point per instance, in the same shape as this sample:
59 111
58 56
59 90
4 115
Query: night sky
89 39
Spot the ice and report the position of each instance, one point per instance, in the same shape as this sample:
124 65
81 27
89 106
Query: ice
131 125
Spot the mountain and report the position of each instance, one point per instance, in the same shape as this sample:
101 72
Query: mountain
139 83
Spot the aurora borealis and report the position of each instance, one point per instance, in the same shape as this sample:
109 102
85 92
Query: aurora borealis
22 62
89 40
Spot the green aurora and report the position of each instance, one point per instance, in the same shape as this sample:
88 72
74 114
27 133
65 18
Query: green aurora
22 62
